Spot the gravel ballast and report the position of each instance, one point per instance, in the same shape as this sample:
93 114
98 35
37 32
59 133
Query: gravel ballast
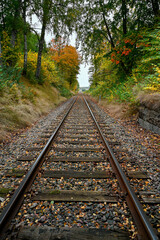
109 216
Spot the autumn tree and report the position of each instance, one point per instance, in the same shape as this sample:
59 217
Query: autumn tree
56 16
56 45
67 60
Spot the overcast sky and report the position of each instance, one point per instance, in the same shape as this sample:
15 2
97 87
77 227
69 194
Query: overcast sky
83 76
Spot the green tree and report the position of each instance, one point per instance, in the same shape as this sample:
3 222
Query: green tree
113 22
12 20
110 20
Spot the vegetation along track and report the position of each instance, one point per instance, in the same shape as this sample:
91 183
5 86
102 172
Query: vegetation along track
75 188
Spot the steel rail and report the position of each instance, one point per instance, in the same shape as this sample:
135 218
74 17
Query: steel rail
145 229
17 199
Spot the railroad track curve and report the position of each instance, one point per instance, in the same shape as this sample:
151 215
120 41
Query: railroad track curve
75 174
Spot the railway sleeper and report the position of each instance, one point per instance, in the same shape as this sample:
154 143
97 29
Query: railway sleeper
75 174
50 233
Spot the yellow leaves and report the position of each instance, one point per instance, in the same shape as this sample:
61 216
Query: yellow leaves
155 86
10 54
48 69
97 225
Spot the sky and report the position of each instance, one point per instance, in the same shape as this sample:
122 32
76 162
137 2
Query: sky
83 76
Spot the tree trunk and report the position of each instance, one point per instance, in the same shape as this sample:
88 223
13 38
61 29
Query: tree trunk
155 6
0 52
124 16
13 37
124 68
25 55
25 39
46 9
14 28
108 30
41 42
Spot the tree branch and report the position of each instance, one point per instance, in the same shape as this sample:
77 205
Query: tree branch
105 22
32 29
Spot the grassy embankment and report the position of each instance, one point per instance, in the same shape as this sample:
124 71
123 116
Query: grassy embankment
23 100
22 106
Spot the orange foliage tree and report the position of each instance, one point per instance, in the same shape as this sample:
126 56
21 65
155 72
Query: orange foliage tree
67 59
126 51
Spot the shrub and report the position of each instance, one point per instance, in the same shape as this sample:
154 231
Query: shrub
64 92
9 76
48 69
10 54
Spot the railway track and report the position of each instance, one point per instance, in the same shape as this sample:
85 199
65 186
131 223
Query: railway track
75 181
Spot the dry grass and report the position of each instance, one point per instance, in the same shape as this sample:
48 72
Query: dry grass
114 108
125 111
151 101
118 110
17 112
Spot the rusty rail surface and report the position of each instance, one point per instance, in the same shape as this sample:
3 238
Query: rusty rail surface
17 199
145 229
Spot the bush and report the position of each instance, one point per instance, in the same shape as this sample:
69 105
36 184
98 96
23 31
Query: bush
10 54
64 92
9 76
48 69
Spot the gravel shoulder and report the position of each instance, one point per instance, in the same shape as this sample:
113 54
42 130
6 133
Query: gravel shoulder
119 112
